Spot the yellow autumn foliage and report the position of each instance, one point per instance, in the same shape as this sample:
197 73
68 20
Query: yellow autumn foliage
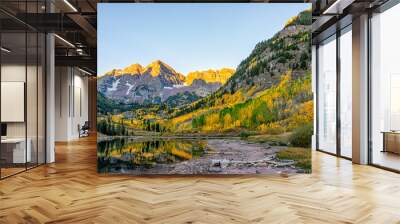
210 75
275 110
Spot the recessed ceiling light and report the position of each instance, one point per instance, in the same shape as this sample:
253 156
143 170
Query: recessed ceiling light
337 7
70 5
86 72
64 40
5 50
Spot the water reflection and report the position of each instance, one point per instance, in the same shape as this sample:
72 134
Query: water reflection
124 155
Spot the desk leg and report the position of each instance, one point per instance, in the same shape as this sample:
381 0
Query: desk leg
384 142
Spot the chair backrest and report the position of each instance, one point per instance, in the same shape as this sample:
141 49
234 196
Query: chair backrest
86 125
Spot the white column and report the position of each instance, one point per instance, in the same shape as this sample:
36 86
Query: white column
360 90
50 99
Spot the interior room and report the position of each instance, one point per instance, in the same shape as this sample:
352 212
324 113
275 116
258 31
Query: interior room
22 102
25 68
56 157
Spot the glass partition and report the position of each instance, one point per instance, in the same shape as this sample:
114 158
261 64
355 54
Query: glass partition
22 77
346 92
327 95
385 89
13 92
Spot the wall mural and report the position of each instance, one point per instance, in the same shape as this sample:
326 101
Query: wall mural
204 89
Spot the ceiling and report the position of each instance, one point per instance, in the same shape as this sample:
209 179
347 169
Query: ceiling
329 16
73 21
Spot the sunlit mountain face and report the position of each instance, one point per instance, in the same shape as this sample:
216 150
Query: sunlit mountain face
209 76
158 81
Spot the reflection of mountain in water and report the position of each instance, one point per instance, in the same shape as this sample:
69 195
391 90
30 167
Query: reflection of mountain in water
131 154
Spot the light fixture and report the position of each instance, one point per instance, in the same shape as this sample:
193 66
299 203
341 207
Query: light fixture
70 5
5 50
84 71
64 40
80 51
337 7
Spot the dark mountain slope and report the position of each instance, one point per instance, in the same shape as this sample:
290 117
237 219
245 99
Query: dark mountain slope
289 49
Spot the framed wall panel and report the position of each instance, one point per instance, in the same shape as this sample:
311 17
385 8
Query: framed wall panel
13 98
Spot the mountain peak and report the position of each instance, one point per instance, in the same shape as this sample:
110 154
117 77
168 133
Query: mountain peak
157 62
157 66
133 69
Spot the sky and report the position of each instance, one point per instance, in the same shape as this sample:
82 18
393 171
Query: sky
188 37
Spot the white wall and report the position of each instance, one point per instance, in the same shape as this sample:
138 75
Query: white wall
71 102
12 73
62 82
80 110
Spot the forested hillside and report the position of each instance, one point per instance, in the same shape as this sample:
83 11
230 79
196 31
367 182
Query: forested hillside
288 50
269 92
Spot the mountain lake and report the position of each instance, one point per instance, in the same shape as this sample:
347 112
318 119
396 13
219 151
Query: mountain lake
177 155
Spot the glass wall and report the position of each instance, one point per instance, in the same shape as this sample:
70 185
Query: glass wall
334 65
327 95
385 88
345 58
22 88
13 85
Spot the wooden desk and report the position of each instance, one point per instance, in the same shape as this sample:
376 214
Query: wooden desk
15 148
391 141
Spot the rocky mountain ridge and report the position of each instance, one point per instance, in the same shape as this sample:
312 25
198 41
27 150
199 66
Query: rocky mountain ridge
157 82
221 75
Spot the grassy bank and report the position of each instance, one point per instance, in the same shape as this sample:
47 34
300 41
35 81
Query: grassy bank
274 140
302 156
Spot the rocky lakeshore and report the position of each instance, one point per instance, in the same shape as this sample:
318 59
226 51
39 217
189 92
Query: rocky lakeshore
227 156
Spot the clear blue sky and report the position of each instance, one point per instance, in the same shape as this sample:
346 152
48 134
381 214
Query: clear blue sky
188 37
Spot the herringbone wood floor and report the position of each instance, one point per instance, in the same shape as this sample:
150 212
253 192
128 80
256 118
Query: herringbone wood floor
70 191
